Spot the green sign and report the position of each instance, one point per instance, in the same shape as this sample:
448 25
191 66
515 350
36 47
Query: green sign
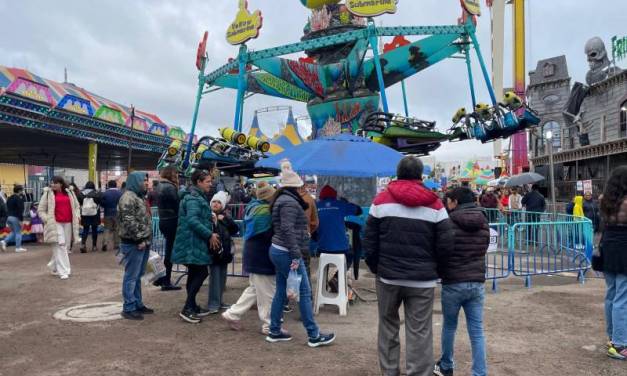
284 88
619 48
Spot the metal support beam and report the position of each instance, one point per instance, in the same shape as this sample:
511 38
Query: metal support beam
374 43
484 70
201 85
93 162
242 58
342 38
471 81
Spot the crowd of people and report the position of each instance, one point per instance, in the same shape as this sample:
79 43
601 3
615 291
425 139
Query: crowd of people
413 238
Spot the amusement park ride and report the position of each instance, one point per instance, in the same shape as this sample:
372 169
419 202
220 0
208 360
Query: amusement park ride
344 88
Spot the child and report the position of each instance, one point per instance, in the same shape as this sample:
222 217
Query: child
225 227
36 224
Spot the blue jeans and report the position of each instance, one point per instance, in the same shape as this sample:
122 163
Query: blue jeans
616 308
16 232
282 262
217 281
134 268
469 296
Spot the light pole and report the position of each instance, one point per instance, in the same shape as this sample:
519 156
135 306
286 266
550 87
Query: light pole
549 136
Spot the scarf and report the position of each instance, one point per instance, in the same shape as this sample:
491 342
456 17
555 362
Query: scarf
257 218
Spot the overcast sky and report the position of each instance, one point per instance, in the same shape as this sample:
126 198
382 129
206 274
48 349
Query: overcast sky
142 52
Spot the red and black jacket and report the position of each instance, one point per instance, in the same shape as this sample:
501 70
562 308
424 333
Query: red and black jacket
408 233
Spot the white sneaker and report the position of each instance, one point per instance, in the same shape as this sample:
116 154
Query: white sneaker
20 249
3 245
64 277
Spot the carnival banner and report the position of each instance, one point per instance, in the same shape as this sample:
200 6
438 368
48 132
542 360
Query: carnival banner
371 8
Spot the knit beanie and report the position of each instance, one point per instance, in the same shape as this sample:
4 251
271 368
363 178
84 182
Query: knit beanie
222 197
328 192
264 191
289 178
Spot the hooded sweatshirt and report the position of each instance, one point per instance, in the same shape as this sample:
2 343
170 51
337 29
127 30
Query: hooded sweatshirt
407 233
134 222
331 213
466 262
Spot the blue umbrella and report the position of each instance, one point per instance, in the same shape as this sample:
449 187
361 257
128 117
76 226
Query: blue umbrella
339 155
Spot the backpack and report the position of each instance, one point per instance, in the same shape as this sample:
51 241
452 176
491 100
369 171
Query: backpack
89 208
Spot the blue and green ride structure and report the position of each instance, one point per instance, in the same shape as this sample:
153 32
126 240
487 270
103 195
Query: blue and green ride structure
343 80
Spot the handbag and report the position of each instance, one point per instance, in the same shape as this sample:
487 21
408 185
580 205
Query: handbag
597 256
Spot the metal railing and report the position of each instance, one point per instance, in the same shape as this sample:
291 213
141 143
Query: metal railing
539 244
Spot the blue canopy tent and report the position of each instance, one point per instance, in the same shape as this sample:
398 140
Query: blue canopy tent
339 155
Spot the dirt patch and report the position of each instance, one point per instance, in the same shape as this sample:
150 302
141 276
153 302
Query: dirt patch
556 327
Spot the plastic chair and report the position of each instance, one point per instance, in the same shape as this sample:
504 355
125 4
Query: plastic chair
322 297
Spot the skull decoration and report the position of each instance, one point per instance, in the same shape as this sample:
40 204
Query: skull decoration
597 60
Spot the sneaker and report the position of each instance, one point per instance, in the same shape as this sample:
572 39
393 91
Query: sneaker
64 276
281 337
3 245
133 315
225 306
146 311
19 250
213 311
287 308
437 371
321 340
104 248
200 312
83 249
617 352
189 317
233 324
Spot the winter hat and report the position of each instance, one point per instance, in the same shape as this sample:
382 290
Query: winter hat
221 197
289 178
265 191
328 192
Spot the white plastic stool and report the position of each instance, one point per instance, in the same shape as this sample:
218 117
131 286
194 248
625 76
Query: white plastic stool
322 297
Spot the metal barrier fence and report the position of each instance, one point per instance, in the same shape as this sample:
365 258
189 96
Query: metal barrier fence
235 269
539 244
522 244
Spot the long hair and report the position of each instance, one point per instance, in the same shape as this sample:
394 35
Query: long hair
170 174
60 180
614 194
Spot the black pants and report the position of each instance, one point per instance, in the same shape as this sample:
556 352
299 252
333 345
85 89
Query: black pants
168 229
196 275
94 233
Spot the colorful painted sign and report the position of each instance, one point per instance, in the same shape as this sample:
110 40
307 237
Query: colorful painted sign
282 87
158 129
176 133
472 6
619 48
246 25
371 8
109 114
341 116
30 90
76 104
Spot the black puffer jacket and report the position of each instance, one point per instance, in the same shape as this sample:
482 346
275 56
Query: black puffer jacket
289 223
614 242
472 237
408 233
168 200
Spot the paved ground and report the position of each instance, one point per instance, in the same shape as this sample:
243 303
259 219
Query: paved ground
555 328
